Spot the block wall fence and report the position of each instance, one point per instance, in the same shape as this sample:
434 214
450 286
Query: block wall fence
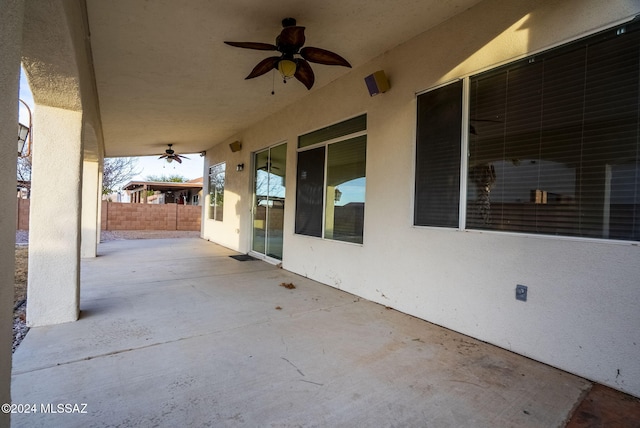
126 216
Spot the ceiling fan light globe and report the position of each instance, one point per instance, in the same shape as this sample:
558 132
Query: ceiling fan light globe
287 68
169 159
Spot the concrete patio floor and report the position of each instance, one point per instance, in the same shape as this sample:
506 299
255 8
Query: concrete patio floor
174 332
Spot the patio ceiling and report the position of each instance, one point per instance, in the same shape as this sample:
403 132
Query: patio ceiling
163 74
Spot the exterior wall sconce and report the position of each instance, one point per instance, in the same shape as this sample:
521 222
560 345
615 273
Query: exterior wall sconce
25 132
240 167
236 146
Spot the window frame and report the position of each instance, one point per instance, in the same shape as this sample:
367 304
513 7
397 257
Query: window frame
603 32
216 170
463 159
326 144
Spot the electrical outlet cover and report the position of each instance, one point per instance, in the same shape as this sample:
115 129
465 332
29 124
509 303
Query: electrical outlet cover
521 292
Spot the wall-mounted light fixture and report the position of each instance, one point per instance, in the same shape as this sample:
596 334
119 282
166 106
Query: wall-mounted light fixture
203 153
377 83
240 167
236 146
25 132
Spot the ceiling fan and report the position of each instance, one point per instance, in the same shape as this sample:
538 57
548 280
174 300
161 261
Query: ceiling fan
289 43
170 155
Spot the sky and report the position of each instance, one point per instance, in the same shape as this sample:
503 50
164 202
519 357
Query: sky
148 165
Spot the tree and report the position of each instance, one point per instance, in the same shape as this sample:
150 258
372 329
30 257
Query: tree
167 178
24 174
117 171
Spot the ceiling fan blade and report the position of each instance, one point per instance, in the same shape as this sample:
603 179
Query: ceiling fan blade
177 159
322 56
182 156
304 73
253 45
264 66
163 156
291 36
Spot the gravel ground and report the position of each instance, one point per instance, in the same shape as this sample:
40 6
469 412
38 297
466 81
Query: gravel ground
22 236
116 235
20 328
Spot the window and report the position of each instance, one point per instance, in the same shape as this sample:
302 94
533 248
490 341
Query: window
438 157
553 144
556 147
216 191
331 181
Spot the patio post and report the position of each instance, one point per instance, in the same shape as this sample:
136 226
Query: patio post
54 226
90 200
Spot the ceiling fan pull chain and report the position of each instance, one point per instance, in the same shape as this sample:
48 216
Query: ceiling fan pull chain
273 82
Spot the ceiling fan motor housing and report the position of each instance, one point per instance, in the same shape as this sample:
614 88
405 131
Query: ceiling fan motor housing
289 22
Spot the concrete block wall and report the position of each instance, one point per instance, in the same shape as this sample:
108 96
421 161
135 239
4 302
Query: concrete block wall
125 216
188 217
22 213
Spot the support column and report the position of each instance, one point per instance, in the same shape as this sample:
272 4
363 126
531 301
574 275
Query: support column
100 174
11 20
90 192
54 226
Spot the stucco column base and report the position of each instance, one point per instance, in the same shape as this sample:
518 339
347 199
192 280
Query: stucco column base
54 227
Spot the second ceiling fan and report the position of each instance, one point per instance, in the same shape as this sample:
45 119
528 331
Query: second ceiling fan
170 155
289 43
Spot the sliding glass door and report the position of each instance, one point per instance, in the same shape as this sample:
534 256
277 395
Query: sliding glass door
269 168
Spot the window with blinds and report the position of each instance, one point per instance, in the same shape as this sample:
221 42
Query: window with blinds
437 187
554 141
553 144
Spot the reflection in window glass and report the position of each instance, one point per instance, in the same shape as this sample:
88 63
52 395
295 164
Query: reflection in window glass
331 181
268 212
216 191
345 190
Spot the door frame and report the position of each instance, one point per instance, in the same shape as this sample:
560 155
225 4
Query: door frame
252 252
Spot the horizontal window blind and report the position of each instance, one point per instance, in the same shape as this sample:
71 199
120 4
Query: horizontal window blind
437 187
554 144
310 192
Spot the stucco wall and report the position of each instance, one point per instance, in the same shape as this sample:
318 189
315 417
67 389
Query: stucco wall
10 45
582 313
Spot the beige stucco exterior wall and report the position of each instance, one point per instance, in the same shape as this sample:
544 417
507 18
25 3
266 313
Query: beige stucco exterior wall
582 313
10 43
